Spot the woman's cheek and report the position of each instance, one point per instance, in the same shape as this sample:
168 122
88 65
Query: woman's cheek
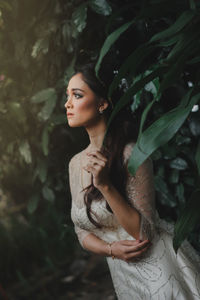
86 108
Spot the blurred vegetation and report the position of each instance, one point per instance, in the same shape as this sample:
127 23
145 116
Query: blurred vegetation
154 45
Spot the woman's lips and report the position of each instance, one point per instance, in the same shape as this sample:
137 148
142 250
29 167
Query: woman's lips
70 115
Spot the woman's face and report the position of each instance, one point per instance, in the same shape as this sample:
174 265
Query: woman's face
82 102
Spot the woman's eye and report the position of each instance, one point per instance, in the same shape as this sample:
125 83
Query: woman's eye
78 96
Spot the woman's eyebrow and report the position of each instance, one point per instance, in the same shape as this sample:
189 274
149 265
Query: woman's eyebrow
75 89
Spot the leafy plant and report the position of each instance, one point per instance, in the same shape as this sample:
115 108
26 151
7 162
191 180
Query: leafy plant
177 48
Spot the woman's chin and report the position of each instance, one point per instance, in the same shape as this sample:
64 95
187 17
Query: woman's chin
74 124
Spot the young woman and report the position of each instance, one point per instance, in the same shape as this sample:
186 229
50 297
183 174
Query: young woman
114 212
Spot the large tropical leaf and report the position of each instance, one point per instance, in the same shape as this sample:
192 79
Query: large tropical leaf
159 133
180 23
130 65
109 42
127 97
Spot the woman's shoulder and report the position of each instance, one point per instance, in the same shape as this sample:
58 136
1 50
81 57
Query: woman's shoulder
128 149
74 160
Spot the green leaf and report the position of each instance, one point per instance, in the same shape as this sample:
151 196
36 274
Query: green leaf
109 42
144 115
180 140
159 133
100 7
48 194
176 69
25 151
136 101
187 221
180 23
170 41
127 97
47 109
179 164
15 108
180 192
174 176
192 4
44 95
130 65
185 45
153 87
194 60
166 197
33 204
194 125
45 140
66 33
42 170
79 17
41 45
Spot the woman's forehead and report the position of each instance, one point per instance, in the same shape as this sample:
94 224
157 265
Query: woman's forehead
77 82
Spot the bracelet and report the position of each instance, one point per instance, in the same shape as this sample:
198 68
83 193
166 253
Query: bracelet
111 254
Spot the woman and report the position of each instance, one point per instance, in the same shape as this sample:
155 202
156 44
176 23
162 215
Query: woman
114 212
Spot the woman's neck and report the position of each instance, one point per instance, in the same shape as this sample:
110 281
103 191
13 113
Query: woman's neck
96 135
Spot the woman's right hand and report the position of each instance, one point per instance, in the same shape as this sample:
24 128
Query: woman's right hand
130 250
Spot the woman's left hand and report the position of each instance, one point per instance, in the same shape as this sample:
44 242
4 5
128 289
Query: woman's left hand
98 166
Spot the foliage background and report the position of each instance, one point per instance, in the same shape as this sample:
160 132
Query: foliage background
40 43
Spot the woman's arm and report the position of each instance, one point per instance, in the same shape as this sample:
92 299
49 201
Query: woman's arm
137 216
96 245
127 216
127 250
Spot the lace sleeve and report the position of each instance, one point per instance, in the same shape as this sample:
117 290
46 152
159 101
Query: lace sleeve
141 194
81 233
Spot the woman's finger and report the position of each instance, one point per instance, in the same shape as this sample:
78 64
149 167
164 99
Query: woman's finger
90 169
133 242
137 247
137 255
97 160
98 154
129 242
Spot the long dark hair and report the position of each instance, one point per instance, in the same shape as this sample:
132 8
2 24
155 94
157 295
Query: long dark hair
122 130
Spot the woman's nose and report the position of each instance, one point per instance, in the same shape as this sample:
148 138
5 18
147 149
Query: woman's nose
68 103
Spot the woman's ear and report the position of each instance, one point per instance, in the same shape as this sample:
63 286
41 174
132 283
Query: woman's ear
103 103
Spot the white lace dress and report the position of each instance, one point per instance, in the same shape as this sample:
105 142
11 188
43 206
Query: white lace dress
160 274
